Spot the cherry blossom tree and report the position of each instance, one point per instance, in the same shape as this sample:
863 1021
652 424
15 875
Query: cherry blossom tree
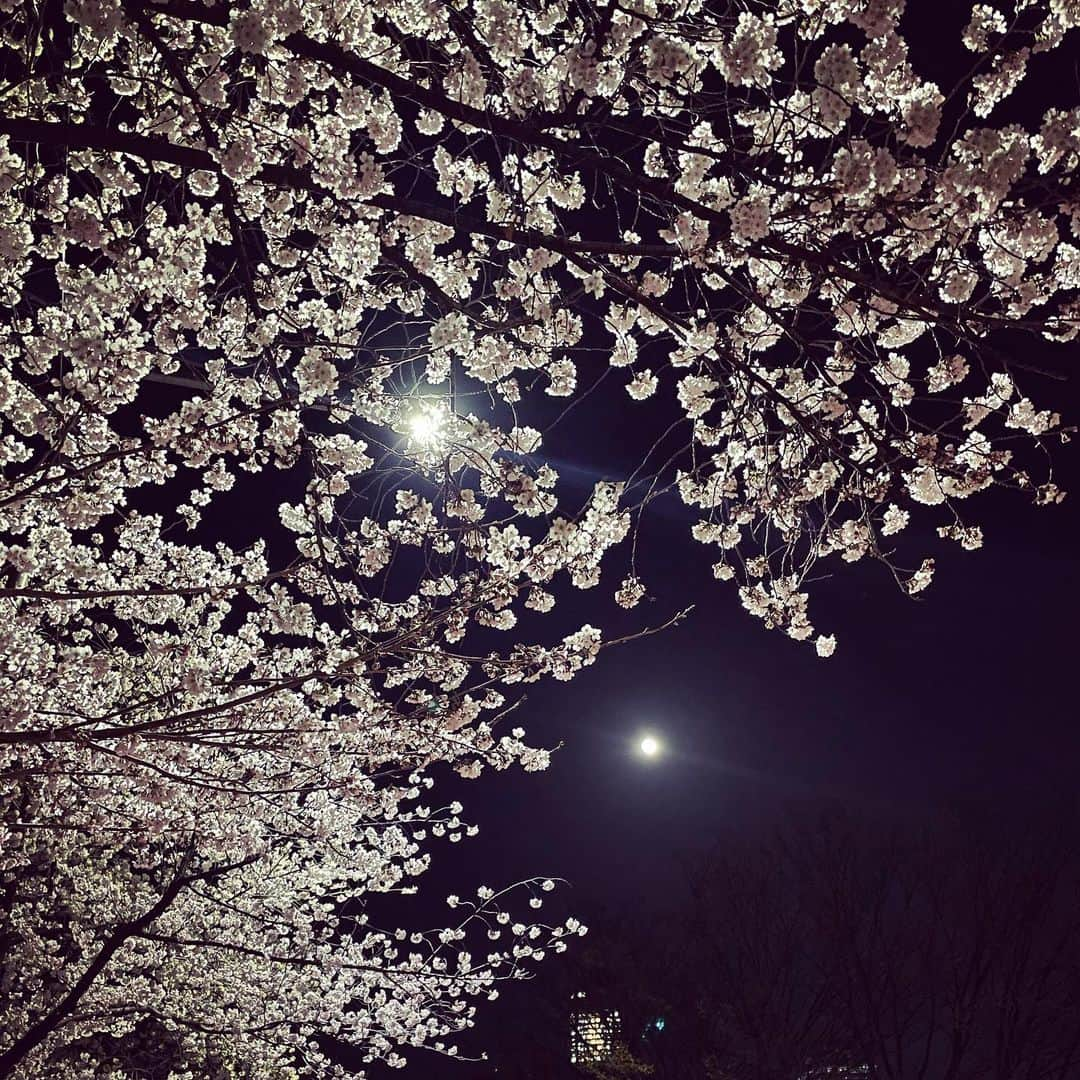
328 259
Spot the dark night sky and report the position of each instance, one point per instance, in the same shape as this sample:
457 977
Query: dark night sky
961 700
965 695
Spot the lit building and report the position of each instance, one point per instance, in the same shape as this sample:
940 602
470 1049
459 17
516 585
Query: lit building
593 1033
838 1072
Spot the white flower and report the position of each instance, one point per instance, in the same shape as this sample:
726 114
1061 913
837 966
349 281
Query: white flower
985 21
750 217
922 577
924 487
642 385
316 377
240 161
694 394
630 593
894 521
249 31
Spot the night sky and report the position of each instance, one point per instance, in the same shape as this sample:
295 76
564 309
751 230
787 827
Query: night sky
960 701
964 695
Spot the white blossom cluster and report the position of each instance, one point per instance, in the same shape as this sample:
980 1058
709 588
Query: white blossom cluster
283 285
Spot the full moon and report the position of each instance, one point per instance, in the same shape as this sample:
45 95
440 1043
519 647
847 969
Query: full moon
650 747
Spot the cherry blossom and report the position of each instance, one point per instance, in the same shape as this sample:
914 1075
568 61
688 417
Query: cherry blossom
286 286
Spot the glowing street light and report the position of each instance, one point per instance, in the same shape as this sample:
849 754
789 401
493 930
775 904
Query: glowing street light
425 426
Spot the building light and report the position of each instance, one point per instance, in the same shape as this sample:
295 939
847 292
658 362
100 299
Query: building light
593 1035
837 1072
